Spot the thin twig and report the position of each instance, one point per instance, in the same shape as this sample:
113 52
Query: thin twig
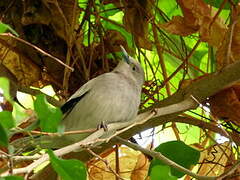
65 133
20 158
230 170
38 49
217 14
161 60
229 48
105 162
71 37
117 160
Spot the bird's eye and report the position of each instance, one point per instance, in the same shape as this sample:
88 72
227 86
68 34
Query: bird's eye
134 68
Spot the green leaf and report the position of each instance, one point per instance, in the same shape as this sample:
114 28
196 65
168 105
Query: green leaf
68 169
110 26
196 60
11 178
108 10
170 8
160 172
217 3
5 28
5 85
178 152
48 115
189 133
51 123
6 120
3 136
19 113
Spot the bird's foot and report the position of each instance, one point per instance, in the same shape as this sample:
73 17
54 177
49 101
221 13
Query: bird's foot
103 125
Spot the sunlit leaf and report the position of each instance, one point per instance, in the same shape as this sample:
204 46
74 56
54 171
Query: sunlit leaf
3 136
68 169
49 116
190 134
110 26
7 120
5 27
178 152
5 86
160 172
109 10
11 178
217 3
19 113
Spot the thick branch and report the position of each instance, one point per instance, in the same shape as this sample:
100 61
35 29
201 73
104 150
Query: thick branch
205 87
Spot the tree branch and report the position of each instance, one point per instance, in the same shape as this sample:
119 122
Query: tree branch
35 92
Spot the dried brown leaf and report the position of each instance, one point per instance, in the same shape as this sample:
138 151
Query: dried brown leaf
136 21
178 26
198 16
26 72
141 169
228 52
128 159
225 104
58 14
214 159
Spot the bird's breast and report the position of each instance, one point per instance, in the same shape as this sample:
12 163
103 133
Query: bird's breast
104 103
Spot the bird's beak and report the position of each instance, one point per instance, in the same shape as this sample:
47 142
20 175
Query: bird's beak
125 55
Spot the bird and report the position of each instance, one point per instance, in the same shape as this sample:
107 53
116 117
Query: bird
108 98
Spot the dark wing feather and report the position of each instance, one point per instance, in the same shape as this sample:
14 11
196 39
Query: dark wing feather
69 105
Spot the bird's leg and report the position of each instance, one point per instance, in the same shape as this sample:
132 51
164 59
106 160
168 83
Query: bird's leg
103 125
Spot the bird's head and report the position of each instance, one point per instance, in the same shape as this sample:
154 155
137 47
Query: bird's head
131 68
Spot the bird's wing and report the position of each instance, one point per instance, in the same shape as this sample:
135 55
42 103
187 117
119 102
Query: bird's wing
72 102
76 97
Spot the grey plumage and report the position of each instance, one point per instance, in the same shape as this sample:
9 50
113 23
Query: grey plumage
110 97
